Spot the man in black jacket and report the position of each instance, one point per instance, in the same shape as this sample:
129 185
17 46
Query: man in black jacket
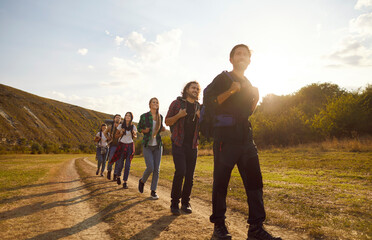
233 99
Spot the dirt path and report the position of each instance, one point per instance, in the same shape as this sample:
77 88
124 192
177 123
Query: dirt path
74 203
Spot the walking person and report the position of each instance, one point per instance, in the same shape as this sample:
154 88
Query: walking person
151 124
183 118
125 151
101 150
112 141
233 100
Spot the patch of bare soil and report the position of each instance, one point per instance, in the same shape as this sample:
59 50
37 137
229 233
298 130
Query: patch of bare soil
74 203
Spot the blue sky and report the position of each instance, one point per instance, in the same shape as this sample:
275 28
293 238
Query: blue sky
113 56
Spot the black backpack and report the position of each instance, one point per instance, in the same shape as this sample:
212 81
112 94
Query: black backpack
208 119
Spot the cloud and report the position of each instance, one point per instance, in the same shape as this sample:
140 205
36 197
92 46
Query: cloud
355 48
91 67
82 51
118 40
107 32
363 3
362 25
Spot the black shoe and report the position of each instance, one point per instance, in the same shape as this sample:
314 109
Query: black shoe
97 172
114 178
175 210
257 232
101 174
154 196
118 181
109 175
220 231
140 186
125 186
186 208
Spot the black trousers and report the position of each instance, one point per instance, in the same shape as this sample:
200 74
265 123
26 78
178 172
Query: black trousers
225 157
184 159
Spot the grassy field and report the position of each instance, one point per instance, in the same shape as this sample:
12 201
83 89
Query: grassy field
18 171
328 195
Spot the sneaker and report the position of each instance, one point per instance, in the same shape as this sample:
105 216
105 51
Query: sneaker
101 174
125 186
140 186
257 232
220 231
186 208
109 175
154 196
118 181
175 210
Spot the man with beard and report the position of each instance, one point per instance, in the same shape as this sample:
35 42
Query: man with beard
112 134
233 99
183 117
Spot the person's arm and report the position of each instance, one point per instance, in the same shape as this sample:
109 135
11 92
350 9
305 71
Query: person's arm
141 125
235 87
97 138
174 113
256 97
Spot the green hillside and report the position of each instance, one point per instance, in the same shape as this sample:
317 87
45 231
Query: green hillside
27 119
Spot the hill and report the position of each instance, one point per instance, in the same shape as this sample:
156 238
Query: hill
26 119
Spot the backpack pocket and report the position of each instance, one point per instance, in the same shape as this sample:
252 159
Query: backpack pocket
224 120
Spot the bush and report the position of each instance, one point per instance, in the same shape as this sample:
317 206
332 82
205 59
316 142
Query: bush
36 148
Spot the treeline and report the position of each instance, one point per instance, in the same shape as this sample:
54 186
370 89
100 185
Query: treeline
314 113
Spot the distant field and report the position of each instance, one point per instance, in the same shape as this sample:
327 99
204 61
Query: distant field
325 194
20 170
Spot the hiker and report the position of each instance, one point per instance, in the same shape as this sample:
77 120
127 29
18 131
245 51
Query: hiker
233 99
183 117
151 124
101 151
125 151
112 140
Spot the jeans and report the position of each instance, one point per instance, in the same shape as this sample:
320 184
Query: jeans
250 172
184 159
111 153
125 156
101 159
152 157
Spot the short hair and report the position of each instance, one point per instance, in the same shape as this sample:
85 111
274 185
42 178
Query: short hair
237 46
116 115
184 92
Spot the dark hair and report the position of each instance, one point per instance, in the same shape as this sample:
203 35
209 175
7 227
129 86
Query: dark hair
116 115
130 125
187 86
237 46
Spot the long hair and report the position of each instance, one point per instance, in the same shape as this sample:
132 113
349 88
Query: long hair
128 127
187 86
157 119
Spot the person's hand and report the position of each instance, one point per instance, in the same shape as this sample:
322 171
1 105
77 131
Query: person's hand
182 112
146 130
235 87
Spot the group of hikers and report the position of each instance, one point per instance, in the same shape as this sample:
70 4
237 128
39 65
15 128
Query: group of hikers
229 99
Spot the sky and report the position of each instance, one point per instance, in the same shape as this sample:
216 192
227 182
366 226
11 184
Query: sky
112 56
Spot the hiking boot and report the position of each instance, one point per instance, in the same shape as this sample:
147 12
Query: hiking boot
118 181
154 196
257 232
109 175
175 210
220 231
125 186
186 208
140 186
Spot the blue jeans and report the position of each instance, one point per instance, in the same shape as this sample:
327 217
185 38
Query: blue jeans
111 153
152 157
101 159
125 156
